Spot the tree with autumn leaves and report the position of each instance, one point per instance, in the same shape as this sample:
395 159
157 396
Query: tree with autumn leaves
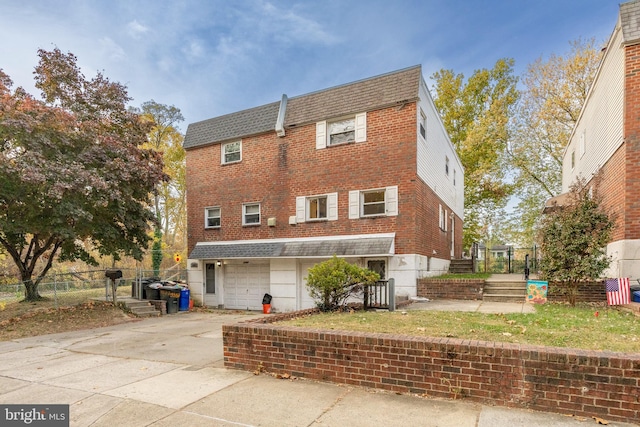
477 114
553 94
169 197
510 133
75 179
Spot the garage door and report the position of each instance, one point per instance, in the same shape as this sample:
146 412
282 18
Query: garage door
245 285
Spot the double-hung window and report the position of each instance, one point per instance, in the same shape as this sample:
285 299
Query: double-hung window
323 207
212 217
341 131
443 218
251 214
317 207
423 124
231 152
373 202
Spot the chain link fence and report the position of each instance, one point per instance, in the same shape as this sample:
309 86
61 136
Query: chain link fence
73 288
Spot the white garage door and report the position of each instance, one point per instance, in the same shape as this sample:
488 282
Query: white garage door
245 285
303 293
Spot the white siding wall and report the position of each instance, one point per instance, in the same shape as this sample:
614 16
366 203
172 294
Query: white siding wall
432 154
601 120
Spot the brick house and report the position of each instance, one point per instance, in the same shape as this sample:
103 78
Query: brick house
364 171
606 139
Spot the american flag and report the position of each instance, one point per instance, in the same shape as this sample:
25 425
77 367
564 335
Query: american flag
618 291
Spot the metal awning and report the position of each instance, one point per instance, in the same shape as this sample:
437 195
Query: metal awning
296 248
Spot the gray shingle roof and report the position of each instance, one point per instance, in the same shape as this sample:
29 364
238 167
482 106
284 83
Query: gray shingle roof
363 95
630 21
242 250
374 246
236 125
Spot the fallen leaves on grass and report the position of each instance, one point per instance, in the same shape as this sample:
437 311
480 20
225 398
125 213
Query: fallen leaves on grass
21 320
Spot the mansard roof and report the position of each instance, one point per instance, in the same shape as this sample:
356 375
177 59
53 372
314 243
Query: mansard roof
395 88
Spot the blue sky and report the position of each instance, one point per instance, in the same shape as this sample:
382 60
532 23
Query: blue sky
213 57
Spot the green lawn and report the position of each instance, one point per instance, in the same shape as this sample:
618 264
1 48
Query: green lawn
551 325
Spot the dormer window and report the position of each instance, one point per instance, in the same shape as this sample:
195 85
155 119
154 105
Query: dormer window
231 152
341 131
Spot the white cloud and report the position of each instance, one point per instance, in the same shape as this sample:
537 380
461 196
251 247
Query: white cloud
111 49
231 47
289 26
136 29
194 49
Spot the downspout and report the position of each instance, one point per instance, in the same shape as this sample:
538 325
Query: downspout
281 114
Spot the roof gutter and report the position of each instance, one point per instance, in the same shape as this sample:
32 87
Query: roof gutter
281 114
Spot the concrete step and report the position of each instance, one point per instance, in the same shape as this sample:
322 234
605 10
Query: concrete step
461 266
505 290
141 308
137 304
503 298
148 311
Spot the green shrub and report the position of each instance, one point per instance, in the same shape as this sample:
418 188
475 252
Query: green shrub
574 239
332 282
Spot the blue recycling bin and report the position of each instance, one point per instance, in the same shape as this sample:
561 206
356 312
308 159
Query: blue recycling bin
184 299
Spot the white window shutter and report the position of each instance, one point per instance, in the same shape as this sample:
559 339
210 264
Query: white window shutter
332 206
321 135
361 127
446 219
301 207
354 204
391 200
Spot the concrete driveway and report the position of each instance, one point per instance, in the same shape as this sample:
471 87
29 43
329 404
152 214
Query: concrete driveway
168 371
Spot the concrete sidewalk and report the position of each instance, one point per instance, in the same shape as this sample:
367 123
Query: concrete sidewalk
168 371
472 305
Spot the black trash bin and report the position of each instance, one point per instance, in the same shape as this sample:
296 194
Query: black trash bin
172 305
266 304
151 293
171 295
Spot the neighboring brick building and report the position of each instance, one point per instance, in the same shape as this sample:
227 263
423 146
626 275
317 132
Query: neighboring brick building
364 171
606 138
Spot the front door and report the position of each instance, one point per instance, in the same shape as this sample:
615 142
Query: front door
379 266
210 279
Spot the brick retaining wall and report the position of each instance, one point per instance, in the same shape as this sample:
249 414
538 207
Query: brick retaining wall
472 289
567 381
587 292
464 289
